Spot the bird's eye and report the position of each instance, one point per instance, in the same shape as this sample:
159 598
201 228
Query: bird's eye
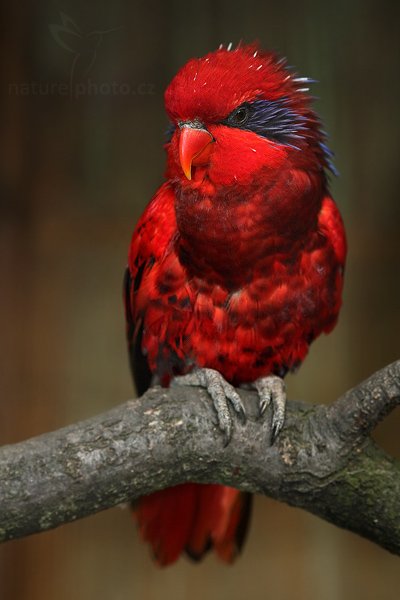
240 115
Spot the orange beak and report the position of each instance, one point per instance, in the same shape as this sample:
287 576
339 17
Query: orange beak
194 148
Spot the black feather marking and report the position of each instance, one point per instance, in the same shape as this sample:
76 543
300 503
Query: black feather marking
142 375
139 276
169 132
139 366
280 370
196 557
243 527
127 303
185 302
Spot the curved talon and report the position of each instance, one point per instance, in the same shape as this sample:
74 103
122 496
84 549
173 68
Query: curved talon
272 389
221 392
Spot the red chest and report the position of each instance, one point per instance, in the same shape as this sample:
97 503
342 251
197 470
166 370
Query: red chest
264 327
248 308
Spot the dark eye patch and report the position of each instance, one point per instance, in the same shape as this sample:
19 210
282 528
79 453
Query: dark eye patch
273 119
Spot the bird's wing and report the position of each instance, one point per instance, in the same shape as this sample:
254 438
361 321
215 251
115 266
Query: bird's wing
150 242
331 224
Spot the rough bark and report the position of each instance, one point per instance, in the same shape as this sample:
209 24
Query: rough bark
323 461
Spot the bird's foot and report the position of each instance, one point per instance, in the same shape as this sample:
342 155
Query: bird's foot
221 393
272 389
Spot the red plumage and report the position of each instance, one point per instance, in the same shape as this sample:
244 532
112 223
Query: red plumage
237 262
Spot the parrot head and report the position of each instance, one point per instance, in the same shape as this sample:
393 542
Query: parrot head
236 114
246 159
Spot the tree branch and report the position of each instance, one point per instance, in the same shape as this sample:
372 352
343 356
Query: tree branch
323 461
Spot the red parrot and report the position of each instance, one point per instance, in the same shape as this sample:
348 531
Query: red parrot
234 268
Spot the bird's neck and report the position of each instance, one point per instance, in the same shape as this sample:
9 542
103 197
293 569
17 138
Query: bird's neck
225 233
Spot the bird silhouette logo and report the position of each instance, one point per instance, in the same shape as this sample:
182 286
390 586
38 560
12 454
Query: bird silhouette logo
82 45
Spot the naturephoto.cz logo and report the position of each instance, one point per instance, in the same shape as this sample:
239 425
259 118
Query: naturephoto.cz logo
84 48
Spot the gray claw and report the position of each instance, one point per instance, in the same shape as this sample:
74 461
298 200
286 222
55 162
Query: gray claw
275 429
272 389
264 403
227 438
221 393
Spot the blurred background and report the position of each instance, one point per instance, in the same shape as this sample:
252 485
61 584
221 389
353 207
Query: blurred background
82 130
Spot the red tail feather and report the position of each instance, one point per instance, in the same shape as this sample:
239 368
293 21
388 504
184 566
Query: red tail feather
194 518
